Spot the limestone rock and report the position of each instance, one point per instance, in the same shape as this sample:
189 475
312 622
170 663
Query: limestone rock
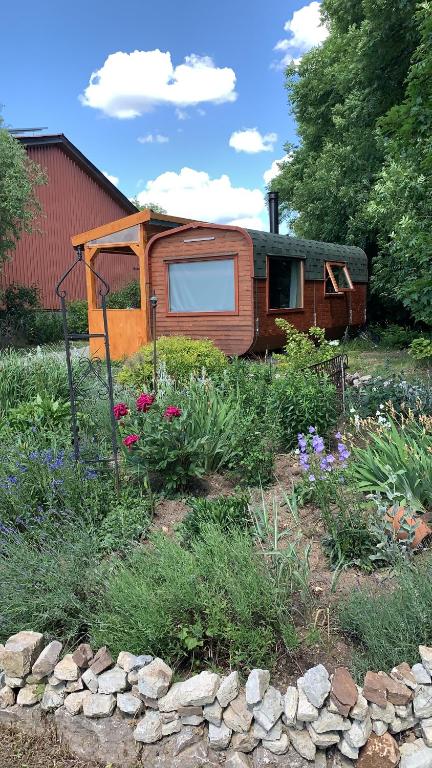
402 724
105 741
30 720
403 674
7 697
272 735
374 689
83 655
256 685
47 660
219 736
213 713
53 698
328 721
237 716
102 660
426 656
278 746
228 689
112 681
237 760
320 760
262 758
343 692
426 730
75 701
269 710
149 729
154 679
379 751
74 686
360 709
192 719
66 669
323 740
423 700
30 695
129 704
386 714
90 680
19 653
347 749
315 684
99 705
302 743
127 661
306 712
290 705
244 742
421 675
359 733
14 682
173 727
186 738
379 727
421 758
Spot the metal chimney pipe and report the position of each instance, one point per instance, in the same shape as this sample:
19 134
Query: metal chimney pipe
273 199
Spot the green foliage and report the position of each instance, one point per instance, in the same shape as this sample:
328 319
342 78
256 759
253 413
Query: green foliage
42 413
303 349
127 297
390 626
24 376
216 600
22 319
414 395
181 357
48 580
421 350
397 463
77 316
127 520
19 205
395 336
227 512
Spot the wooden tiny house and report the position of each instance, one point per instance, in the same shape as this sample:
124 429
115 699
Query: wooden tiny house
230 284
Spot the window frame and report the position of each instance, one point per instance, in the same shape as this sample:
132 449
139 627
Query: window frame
281 310
328 272
201 258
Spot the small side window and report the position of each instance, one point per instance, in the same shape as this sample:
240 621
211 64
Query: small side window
285 289
337 278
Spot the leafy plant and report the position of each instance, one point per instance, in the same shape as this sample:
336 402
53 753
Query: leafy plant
226 512
127 297
414 394
421 350
77 316
127 520
41 413
216 600
395 336
24 376
181 356
303 349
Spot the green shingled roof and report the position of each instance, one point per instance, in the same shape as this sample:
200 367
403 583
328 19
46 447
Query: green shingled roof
313 252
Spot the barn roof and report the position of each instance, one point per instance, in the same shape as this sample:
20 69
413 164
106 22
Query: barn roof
314 252
59 139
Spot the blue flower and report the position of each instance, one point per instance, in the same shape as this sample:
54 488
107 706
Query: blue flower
91 474
311 430
317 444
312 478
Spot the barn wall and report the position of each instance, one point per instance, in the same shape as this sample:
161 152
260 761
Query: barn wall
72 202
332 313
232 333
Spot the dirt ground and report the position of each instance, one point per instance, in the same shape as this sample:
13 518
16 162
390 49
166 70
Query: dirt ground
18 750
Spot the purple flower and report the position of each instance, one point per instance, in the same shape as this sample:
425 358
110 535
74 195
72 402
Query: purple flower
311 430
330 458
338 436
304 461
317 444
312 478
302 442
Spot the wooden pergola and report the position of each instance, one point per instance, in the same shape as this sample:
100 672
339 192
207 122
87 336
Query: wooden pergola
129 329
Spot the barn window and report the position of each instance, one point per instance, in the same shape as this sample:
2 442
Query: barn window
285 283
337 277
202 286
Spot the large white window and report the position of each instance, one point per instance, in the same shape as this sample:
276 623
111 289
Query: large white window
202 286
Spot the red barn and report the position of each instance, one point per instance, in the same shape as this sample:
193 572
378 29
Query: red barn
77 197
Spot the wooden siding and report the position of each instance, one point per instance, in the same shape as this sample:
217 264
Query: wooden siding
72 201
233 333
332 313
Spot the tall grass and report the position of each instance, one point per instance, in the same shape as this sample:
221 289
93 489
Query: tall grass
23 375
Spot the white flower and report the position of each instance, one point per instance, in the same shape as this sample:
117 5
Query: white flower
334 343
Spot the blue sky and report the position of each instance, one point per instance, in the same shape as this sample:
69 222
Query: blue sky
178 91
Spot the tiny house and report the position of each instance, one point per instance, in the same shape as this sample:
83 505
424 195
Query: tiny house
230 284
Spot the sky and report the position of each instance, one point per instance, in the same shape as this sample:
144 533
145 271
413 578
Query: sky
179 103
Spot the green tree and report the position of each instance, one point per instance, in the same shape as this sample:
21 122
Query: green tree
400 206
19 205
337 93
153 206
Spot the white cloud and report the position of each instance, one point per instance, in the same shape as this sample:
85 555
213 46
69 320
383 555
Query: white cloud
306 31
250 140
193 194
113 179
129 84
253 222
153 138
275 169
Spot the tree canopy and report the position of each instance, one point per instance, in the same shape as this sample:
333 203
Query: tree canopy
361 151
19 205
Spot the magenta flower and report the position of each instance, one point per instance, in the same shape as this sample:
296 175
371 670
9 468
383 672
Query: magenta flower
144 402
120 410
130 440
172 412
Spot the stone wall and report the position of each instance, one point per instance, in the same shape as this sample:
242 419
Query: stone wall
130 712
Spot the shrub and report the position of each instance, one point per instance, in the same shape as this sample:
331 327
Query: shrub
255 453
127 520
395 336
182 358
41 414
27 322
24 376
390 626
77 316
405 395
48 580
227 512
421 350
216 600
303 349
127 297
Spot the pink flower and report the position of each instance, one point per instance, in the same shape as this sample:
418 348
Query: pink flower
120 410
130 440
144 402
172 412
